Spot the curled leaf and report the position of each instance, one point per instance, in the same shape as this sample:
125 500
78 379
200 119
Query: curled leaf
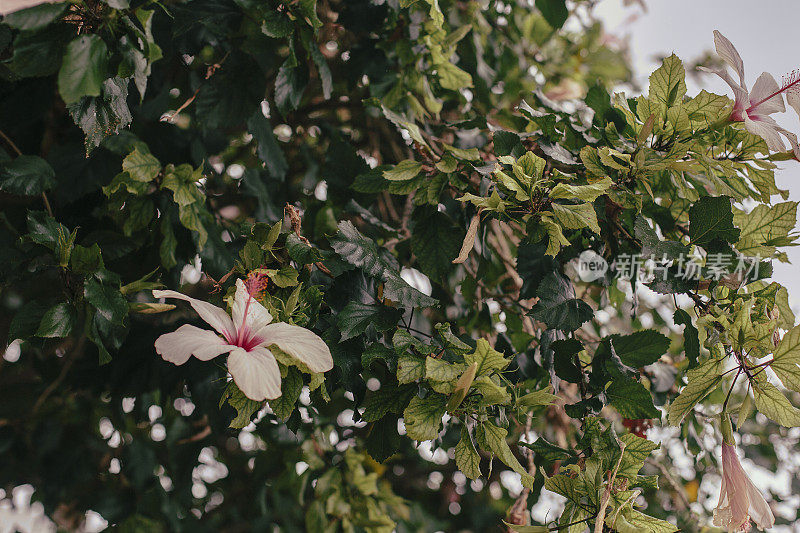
469 241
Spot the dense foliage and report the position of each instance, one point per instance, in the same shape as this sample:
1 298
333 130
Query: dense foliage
424 184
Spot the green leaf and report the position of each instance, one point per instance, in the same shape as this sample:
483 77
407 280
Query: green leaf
786 360
291 387
773 404
585 193
629 520
300 251
385 400
308 9
423 416
382 442
537 398
35 17
276 24
269 151
489 360
410 368
653 246
105 115
403 171
290 84
85 260
576 216
57 322
358 250
631 399
83 69
141 166
284 277
27 175
108 300
668 83
355 317
245 407
763 226
452 77
557 307
443 371
554 12
467 458
691 338
711 218
436 241
495 439
702 380
706 109
641 348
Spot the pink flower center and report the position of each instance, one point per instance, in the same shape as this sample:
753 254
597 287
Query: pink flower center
255 283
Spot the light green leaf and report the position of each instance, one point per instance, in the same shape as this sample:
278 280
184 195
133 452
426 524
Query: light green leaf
702 380
586 193
403 171
489 360
773 404
423 416
668 83
576 216
141 166
467 458
410 368
494 438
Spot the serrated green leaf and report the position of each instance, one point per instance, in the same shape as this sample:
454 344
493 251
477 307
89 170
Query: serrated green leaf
423 416
27 175
467 458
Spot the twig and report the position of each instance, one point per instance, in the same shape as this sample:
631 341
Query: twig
679 490
601 513
74 354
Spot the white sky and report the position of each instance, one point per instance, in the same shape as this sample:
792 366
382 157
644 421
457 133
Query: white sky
765 33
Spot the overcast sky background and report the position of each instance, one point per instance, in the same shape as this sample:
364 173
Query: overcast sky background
765 33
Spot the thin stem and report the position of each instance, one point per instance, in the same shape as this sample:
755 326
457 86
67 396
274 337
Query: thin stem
728 397
776 93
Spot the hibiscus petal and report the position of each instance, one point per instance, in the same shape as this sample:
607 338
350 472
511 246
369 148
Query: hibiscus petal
257 314
256 373
739 92
729 55
767 129
300 343
759 509
765 98
215 317
793 98
188 340
792 138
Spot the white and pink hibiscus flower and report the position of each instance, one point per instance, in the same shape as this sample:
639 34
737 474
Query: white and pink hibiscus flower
246 335
740 501
755 107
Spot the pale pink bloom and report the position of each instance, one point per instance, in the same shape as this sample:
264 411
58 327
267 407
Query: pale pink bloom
246 334
755 107
739 499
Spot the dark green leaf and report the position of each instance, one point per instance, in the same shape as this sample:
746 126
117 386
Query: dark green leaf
354 319
557 307
711 218
57 322
27 175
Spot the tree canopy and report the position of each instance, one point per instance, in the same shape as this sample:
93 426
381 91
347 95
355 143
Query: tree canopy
498 275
